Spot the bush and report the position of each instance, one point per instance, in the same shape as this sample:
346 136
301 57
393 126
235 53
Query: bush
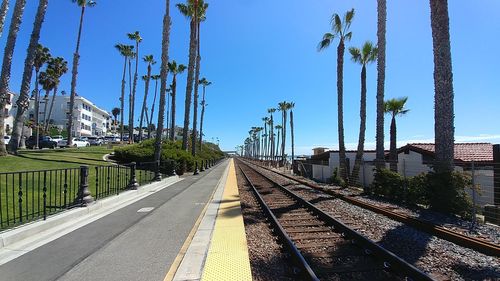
388 184
172 155
336 179
417 192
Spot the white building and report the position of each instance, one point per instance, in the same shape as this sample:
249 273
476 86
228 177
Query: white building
9 121
88 119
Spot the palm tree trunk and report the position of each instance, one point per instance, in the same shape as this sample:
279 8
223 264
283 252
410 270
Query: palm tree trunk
362 129
153 108
292 136
3 13
393 153
381 24
74 72
50 109
283 136
134 91
37 109
23 100
168 112
163 86
174 93
202 116
196 85
146 90
189 86
130 104
122 99
340 110
277 147
444 129
6 66
46 98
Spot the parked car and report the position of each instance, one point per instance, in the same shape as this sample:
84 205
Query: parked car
95 141
76 142
43 142
112 139
6 139
59 139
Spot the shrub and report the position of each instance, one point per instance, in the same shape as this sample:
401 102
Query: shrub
388 184
447 193
417 191
336 179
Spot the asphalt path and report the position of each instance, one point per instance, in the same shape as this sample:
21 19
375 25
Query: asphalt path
126 244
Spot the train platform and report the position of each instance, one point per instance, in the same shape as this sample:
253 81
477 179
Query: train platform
218 249
185 229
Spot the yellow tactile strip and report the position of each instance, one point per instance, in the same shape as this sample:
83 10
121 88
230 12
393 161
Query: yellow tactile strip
227 257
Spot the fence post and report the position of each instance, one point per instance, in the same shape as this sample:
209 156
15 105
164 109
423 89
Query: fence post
473 195
133 181
85 196
157 171
20 195
364 175
196 171
202 169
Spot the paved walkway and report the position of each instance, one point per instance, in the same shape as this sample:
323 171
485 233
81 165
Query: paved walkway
138 242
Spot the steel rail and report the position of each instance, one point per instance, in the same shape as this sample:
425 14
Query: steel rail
480 245
391 261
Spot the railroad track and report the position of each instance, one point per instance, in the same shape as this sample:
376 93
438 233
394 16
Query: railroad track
322 247
477 244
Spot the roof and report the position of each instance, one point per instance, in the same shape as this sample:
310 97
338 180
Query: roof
464 152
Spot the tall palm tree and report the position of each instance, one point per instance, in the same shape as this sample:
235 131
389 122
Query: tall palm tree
83 4
266 135
200 16
444 129
155 78
136 36
174 69
340 30
127 52
23 100
271 127
6 66
189 10
381 23
163 87
48 83
367 54
42 56
283 107
291 105
278 128
3 13
59 67
150 61
115 112
169 96
395 107
205 83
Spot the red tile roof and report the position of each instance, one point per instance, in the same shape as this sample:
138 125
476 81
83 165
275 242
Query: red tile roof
466 152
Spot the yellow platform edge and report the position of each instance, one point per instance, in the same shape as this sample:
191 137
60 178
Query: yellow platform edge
227 257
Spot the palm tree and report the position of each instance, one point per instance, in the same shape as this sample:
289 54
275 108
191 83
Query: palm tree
169 96
283 107
83 4
115 112
163 87
395 107
340 29
278 128
381 23
174 69
200 16
189 10
23 100
6 66
3 13
136 36
444 129
150 61
290 107
271 127
59 67
367 54
127 52
48 84
42 56
266 135
155 78
205 83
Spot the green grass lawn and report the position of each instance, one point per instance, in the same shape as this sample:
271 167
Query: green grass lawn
109 179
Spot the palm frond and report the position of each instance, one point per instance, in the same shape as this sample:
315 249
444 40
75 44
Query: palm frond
327 40
355 54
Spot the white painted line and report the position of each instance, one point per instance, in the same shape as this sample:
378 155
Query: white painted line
145 210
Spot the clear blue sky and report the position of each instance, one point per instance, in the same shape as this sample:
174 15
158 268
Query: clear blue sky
258 53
